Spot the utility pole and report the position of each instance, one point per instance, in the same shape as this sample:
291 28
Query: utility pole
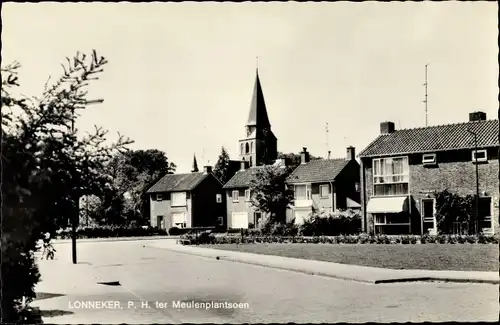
426 100
75 213
476 216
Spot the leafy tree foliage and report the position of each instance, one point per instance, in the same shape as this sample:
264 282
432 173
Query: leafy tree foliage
452 208
293 159
221 168
137 171
270 193
46 167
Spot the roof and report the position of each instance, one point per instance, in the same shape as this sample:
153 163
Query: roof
258 111
320 170
434 138
243 178
177 182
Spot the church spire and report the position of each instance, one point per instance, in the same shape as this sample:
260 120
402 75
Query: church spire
195 165
258 111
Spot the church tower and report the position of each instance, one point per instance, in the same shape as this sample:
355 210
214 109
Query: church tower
259 146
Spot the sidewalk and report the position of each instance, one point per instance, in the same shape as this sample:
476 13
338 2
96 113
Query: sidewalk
335 270
64 286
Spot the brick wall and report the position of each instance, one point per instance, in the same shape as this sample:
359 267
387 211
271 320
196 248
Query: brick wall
454 171
241 206
161 208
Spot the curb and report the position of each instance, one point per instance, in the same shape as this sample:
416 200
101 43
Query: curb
335 276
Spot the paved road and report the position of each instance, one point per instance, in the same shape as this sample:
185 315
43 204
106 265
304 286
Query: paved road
156 275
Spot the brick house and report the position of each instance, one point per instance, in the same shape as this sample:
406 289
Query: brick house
401 169
187 200
324 185
257 148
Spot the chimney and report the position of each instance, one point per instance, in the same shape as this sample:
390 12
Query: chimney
304 156
351 153
243 165
477 116
387 127
207 169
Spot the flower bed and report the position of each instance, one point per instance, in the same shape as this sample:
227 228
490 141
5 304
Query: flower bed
217 239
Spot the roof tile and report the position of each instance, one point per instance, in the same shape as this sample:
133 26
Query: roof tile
434 138
177 182
321 170
243 178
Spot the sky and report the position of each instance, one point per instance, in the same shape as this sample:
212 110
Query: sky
180 75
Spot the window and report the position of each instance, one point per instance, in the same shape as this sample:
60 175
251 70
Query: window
218 198
247 148
380 219
357 187
390 176
302 192
159 197
250 161
236 196
220 221
429 159
247 195
179 220
251 147
178 199
242 148
485 219
324 190
479 156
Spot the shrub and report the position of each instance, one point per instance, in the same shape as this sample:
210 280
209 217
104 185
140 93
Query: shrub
175 231
347 222
363 239
108 231
19 267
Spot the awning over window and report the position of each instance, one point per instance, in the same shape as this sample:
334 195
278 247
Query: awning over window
387 204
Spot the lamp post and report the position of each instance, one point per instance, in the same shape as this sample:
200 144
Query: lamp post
75 213
476 217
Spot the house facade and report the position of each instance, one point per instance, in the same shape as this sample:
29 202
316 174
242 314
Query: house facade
257 148
402 169
324 185
188 200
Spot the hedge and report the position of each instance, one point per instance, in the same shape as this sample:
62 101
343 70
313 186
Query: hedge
217 239
110 231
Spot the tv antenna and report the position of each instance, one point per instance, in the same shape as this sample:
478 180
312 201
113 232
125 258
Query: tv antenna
327 145
426 100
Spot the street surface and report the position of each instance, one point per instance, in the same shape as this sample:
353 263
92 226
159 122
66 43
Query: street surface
161 278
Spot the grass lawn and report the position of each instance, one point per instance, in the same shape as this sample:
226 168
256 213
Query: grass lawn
457 257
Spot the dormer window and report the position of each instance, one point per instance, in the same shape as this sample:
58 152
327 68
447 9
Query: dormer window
479 155
429 159
159 197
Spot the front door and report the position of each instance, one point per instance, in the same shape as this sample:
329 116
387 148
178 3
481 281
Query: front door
428 217
258 219
159 222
